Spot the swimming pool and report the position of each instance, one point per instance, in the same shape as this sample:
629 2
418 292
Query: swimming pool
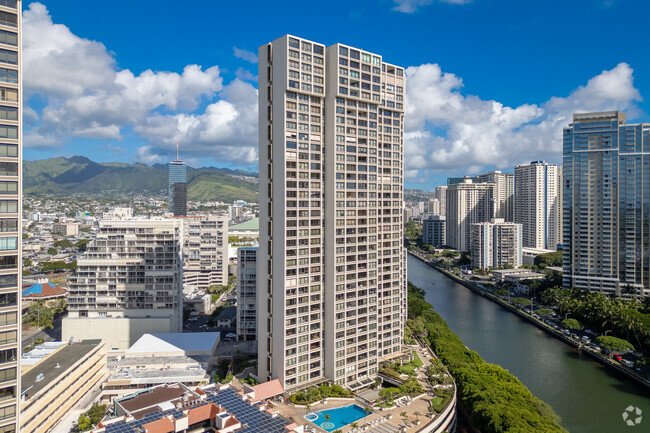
339 417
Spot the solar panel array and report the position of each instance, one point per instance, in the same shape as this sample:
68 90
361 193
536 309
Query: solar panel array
252 419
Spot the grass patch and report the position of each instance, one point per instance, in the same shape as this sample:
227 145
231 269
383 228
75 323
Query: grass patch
417 362
438 403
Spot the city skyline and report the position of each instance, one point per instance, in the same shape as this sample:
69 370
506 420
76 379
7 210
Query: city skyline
484 118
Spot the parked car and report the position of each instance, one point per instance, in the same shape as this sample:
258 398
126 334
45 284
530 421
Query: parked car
618 357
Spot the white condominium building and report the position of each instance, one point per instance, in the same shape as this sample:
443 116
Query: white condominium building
129 283
538 204
205 251
441 195
11 193
331 263
467 203
496 244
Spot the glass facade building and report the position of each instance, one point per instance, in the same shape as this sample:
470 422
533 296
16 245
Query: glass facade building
178 188
606 190
10 211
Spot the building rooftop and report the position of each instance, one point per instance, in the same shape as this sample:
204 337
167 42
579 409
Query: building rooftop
175 343
253 224
43 290
51 367
227 313
212 402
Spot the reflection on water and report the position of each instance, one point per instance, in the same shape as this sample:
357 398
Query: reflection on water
588 397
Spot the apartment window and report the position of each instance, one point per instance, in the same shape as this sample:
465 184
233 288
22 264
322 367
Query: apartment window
9 318
8 337
8 132
9 225
8 56
8 38
8 113
7 19
8 206
8 75
7 374
8 150
8 187
9 4
8 412
8 243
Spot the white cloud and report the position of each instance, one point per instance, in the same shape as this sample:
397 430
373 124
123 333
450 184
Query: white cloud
477 133
85 93
246 55
226 131
410 6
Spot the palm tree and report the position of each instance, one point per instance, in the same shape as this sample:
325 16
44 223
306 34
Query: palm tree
404 416
368 410
327 417
417 415
354 425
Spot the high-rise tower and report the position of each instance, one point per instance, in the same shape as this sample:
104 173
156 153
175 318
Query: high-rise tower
606 204
331 263
10 210
178 186
538 204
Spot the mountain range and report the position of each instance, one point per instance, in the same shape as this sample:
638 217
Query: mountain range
79 175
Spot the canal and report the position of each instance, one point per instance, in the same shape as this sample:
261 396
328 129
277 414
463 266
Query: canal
588 397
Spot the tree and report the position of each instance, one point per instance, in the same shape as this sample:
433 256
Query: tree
354 425
63 243
544 312
27 261
521 301
549 259
52 251
82 244
572 324
327 417
613 344
83 423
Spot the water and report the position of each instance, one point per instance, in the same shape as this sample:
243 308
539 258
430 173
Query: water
339 417
588 397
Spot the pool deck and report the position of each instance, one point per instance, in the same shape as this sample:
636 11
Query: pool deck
392 419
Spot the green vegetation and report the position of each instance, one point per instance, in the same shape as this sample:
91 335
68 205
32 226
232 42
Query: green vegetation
549 259
41 315
91 418
82 244
572 324
412 230
613 344
58 266
314 394
495 399
438 403
544 312
65 176
52 251
63 243
628 319
521 301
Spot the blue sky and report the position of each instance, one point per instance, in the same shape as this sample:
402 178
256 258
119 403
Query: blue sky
490 83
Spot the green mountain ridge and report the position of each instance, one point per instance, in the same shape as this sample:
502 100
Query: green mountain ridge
79 175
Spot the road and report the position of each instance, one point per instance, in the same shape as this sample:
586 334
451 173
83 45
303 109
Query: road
53 334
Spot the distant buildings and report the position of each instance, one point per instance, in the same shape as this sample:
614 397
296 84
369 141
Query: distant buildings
538 204
247 293
156 359
10 212
66 228
504 188
331 124
441 195
129 283
178 188
467 203
205 251
118 213
173 408
434 231
606 204
496 244
55 384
